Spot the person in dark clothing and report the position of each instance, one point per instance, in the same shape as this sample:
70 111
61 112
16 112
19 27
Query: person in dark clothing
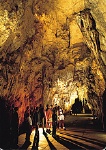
104 110
26 112
28 124
32 114
54 123
28 128
41 115
4 124
14 128
35 117
36 125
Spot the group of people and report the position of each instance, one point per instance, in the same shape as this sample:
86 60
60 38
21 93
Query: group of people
54 119
50 118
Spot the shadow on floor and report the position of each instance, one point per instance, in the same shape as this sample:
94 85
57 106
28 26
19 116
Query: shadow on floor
67 143
75 142
25 146
52 147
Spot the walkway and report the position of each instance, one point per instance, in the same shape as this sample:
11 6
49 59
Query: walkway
73 138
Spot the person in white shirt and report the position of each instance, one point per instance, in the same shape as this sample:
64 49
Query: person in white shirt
61 120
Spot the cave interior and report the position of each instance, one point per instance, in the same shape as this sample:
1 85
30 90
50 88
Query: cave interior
52 52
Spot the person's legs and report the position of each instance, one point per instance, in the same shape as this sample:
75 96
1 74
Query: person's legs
54 129
60 124
46 122
28 133
50 124
27 136
43 124
63 126
16 139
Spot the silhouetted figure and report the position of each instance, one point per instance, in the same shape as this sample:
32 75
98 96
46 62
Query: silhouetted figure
32 114
4 124
54 123
41 115
36 124
58 112
27 111
36 138
28 122
104 110
35 117
14 128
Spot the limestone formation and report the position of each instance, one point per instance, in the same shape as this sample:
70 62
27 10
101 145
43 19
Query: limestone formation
52 52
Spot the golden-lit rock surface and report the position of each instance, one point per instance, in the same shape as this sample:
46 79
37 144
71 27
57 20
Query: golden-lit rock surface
52 52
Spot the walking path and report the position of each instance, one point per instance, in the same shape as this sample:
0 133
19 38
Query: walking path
73 138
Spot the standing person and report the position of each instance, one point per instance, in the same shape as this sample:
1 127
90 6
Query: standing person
36 124
35 118
48 114
28 128
26 112
32 114
61 120
41 115
104 110
54 123
14 127
4 124
58 113
51 107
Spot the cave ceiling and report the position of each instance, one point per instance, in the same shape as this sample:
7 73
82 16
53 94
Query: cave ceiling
51 51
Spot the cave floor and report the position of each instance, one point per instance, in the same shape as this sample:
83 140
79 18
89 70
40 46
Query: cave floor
81 133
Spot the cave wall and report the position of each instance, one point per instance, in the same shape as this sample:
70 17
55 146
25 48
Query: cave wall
20 63
52 52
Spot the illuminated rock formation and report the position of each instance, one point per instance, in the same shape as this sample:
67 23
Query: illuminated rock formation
52 52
